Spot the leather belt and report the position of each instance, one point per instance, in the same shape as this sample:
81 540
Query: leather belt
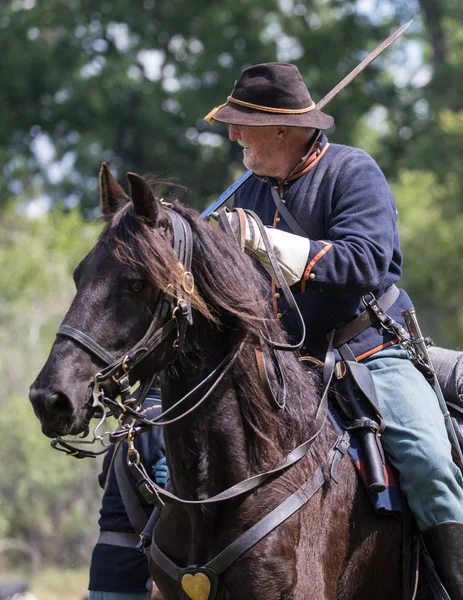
118 538
359 324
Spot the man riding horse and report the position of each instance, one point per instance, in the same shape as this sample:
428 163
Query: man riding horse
341 254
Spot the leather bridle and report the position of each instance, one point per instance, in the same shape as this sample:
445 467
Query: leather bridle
174 301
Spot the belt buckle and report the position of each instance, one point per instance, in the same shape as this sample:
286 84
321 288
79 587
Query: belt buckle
366 303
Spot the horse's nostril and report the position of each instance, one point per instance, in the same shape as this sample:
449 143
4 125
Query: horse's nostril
51 404
58 403
54 410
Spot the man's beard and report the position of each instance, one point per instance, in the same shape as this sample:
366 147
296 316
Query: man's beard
252 164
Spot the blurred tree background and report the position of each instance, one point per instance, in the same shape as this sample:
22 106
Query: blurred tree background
85 81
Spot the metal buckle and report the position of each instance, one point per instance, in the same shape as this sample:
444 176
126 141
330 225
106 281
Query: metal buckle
133 456
182 306
366 303
340 370
188 282
125 368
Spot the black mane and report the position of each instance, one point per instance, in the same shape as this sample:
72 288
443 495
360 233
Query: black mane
232 293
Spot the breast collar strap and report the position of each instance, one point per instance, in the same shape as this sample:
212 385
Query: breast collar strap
229 555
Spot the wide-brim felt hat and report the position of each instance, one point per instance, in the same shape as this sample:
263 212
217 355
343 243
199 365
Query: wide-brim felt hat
271 94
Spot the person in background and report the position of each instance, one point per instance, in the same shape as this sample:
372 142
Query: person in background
118 571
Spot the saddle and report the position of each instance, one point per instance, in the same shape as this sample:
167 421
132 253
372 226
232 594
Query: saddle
353 409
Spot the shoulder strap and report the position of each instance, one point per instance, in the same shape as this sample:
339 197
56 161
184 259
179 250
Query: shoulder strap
287 216
132 505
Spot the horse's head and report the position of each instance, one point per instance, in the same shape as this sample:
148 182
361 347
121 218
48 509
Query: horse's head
119 284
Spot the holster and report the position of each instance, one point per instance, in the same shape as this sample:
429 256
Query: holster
358 401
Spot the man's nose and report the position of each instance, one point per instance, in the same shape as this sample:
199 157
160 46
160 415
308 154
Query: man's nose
234 133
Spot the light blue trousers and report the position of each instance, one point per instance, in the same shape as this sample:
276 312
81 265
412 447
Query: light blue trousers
94 595
415 439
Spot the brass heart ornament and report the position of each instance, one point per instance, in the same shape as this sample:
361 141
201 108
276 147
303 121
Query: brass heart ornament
197 587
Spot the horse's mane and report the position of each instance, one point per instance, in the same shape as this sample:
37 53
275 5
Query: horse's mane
228 288
232 293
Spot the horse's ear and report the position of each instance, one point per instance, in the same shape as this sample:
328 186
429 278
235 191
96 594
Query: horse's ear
112 196
144 201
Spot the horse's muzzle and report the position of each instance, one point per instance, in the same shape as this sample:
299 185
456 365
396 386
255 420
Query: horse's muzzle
56 413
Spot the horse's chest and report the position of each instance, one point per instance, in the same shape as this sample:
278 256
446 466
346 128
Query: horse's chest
266 571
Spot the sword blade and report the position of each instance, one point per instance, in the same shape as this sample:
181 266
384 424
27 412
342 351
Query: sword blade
359 68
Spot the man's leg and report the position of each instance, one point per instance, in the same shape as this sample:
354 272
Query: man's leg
416 442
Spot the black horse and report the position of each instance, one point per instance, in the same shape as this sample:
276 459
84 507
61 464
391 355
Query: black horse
334 547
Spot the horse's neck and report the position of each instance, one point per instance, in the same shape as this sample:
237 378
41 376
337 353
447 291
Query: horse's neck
209 450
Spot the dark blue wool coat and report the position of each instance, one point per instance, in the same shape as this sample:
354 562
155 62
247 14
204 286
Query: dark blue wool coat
117 568
346 207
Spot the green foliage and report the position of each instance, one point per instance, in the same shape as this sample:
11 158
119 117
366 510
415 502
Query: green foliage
47 499
426 163
130 85
52 499
52 583
432 243
37 258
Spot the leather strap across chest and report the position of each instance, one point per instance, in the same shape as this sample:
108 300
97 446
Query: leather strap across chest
358 324
362 321
214 568
220 563
287 216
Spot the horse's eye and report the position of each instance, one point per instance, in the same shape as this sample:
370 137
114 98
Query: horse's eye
137 285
